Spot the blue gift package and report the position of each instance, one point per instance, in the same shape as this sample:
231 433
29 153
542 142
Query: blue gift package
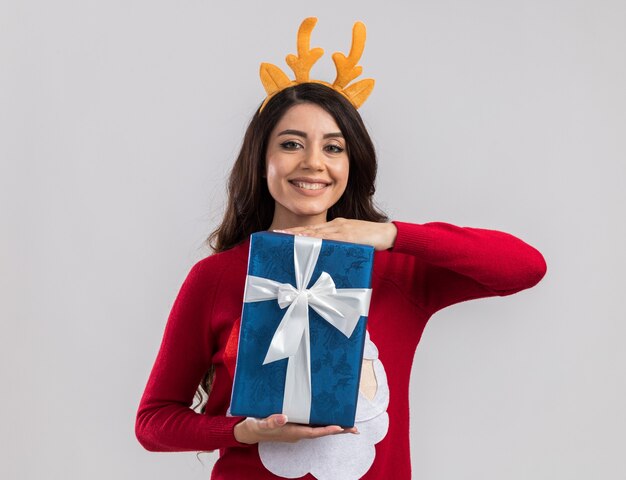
302 329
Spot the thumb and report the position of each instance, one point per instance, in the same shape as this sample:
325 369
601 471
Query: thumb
273 421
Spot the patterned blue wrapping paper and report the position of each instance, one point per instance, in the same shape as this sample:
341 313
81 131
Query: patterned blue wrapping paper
335 359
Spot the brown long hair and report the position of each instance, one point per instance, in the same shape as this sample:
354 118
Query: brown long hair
250 206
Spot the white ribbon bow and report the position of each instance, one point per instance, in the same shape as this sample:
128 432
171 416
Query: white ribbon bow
342 308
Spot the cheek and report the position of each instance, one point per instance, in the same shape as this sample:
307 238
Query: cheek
271 172
273 177
342 172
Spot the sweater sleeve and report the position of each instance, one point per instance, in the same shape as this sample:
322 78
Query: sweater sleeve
452 264
165 421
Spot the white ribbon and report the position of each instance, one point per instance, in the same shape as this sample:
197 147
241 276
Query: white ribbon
342 308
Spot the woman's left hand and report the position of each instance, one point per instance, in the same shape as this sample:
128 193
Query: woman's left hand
381 236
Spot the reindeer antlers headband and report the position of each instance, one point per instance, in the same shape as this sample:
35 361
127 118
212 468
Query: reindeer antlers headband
274 79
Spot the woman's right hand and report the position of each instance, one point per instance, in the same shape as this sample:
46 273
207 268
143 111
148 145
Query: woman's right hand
275 428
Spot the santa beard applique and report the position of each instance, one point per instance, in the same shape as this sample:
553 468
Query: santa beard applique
345 456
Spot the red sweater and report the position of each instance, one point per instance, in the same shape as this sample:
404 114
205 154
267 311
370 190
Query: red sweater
429 267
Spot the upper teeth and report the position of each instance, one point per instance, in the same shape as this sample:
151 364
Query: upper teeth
309 186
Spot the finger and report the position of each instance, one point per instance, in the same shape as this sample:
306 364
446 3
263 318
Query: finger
328 235
306 227
317 231
342 430
273 422
299 432
294 231
353 430
317 432
303 233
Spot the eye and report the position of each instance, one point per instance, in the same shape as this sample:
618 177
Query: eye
290 145
334 148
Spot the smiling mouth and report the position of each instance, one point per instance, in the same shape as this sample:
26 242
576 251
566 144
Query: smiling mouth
309 185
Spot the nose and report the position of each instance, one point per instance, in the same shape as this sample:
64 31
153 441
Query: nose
313 160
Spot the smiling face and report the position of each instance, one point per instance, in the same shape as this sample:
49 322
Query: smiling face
307 166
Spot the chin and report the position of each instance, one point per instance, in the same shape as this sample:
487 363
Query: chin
308 210
305 214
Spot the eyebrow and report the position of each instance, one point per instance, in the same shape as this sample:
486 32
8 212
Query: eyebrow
304 135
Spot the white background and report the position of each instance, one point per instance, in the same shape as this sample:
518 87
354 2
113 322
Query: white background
119 121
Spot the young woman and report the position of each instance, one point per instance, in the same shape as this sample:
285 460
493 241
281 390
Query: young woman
307 166
316 177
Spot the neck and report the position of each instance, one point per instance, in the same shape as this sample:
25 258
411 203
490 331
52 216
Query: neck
286 219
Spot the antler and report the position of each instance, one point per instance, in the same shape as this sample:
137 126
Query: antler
274 79
302 64
347 68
